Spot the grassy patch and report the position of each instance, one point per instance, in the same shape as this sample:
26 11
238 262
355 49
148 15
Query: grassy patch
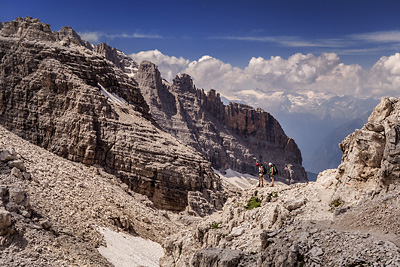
254 202
336 203
215 225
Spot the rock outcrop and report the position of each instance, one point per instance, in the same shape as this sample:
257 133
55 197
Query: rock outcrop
71 101
370 161
235 136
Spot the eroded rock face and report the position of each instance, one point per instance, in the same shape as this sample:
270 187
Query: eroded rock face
235 136
371 155
78 105
118 58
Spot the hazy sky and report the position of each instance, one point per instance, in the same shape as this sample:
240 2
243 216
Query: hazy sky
235 45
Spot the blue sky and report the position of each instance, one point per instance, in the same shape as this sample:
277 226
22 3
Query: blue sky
244 48
360 32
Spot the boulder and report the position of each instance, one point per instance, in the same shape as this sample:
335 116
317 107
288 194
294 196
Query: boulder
8 154
5 221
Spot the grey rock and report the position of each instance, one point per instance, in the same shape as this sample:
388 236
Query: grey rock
16 173
237 231
316 252
17 164
5 221
216 257
8 154
18 196
45 224
294 204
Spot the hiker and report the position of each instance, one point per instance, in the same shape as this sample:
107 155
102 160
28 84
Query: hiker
261 172
272 172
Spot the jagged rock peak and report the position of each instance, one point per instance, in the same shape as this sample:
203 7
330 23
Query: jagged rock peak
69 36
148 75
122 61
184 83
27 28
1 25
109 52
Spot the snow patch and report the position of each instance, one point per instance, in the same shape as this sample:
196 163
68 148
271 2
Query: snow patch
112 97
124 250
238 179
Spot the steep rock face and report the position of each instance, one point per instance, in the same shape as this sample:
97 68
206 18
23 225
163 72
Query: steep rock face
76 104
120 60
371 155
235 136
67 35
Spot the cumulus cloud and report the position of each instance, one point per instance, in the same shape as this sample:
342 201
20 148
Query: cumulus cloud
384 77
168 66
90 36
299 73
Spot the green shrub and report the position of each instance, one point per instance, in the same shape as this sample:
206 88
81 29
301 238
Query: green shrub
254 202
336 203
215 225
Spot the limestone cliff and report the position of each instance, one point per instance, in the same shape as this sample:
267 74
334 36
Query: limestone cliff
120 60
235 136
75 103
371 155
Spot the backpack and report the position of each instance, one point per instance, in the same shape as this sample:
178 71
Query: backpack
264 171
275 171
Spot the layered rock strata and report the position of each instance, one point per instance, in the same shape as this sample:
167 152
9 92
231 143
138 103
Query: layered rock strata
234 136
71 101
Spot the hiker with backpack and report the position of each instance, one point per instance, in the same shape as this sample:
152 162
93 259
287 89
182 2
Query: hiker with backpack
261 172
272 172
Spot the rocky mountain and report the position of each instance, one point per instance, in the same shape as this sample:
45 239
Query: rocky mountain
60 95
348 217
231 136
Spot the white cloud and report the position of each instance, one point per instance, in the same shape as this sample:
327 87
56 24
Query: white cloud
289 41
90 36
299 73
384 77
379 37
96 36
168 66
135 35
